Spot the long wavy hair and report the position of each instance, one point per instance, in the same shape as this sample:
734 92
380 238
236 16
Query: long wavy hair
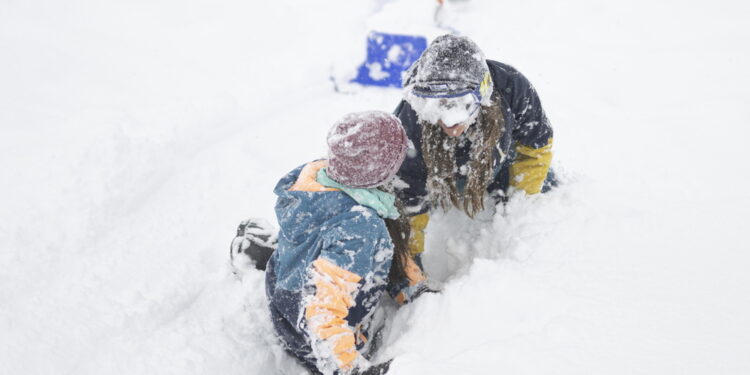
439 153
399 230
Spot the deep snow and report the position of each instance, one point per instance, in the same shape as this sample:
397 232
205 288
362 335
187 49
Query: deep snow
134 136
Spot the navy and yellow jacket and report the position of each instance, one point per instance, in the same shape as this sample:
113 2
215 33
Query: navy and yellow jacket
522 156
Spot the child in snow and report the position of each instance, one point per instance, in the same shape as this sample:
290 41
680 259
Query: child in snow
477 127
342 243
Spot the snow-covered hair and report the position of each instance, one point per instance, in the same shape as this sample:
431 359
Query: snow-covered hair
439 153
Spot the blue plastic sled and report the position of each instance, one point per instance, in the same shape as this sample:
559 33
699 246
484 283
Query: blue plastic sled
388 56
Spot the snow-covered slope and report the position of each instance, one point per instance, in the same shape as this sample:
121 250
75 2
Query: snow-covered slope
135 136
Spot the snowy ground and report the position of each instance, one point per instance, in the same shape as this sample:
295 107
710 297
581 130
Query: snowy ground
134 136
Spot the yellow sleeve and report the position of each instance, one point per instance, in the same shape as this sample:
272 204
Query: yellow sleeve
530 168
416 239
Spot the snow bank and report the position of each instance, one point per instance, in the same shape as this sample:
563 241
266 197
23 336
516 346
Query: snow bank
134 137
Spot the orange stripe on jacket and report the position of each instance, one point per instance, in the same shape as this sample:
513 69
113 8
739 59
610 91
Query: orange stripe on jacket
327 310
308 178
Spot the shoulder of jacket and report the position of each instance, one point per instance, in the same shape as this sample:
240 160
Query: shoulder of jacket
506 78
357 219
501 67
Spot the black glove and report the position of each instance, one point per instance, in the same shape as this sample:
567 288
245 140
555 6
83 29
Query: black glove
378 369
423 288
255 241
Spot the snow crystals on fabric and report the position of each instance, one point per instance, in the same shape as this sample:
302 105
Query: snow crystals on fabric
463 109
365 149
449 58
364 210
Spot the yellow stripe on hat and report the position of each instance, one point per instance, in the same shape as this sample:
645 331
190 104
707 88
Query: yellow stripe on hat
484 87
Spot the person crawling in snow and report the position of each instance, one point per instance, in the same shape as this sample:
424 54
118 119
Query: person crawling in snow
342 243
477 127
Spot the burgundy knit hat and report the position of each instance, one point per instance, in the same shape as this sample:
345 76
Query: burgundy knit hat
366 149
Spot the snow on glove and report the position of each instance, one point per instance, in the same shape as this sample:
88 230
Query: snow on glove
412 292
378 369
415 285
256 240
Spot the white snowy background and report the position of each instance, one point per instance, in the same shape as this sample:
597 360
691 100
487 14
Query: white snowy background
135 135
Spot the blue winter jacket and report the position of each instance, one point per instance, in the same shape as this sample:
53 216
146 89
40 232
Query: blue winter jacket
328 225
